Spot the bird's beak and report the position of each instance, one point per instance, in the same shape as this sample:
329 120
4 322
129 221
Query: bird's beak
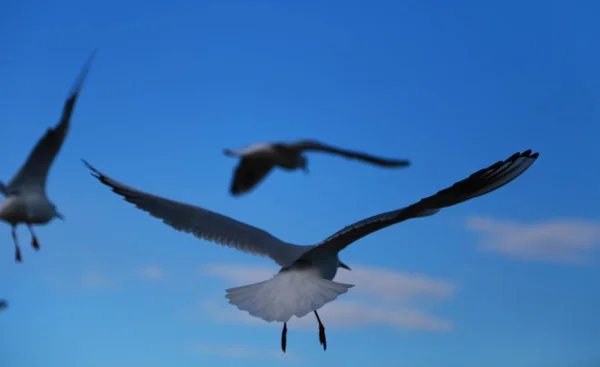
59 216
342 265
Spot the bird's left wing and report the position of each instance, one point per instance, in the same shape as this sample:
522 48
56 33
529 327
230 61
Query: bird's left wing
205 224
32 175
313 145
248 174
479 183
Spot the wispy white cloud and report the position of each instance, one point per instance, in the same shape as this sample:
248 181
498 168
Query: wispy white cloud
335 315
558 240
152 272
238 272
395 285
377 284
90 279
96 279
240 351
386 284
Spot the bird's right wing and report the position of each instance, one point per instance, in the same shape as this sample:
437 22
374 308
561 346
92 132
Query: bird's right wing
206 224
477 184
313 145
248 173
32 175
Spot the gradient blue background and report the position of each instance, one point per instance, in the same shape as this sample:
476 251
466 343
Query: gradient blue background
453 86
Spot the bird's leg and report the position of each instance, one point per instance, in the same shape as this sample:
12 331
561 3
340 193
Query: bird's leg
322 338
284 337
16 241
34 240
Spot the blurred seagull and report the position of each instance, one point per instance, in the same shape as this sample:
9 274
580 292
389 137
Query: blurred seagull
305 282
26 200
3 304
258 160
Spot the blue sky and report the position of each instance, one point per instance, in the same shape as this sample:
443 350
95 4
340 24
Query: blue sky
507 279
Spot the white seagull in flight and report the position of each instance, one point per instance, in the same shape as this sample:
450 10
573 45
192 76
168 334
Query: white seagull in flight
305 282
259 159
26 200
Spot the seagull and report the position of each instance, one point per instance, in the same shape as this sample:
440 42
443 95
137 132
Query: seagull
258 160
3 304
25 195
305 283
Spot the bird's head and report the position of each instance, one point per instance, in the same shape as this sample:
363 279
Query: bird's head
302 162
343 266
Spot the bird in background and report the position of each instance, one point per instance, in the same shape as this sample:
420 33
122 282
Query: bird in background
305 283
3 304
25 195
258 160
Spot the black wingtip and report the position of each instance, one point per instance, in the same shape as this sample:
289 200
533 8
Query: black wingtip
394 163
88 63
515 156
235 191
92 54
87 164
526 154
94 172
78 85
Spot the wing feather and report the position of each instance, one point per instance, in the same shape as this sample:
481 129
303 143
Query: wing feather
313 145
479 183
248 174
34 172
205 224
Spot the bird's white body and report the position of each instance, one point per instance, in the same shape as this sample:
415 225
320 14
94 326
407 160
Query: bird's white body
33 208
325 265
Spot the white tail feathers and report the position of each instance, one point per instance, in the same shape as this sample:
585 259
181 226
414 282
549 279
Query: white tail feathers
289 293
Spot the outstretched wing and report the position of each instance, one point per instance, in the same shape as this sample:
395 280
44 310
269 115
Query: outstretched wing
206 224
313 145
33 174
248 173
477 184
